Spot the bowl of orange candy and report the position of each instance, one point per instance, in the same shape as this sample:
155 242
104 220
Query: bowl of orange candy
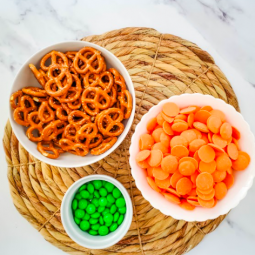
192 157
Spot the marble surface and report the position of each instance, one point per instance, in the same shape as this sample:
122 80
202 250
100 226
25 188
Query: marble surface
220 27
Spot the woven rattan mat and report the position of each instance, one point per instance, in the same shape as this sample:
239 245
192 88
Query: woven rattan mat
160 65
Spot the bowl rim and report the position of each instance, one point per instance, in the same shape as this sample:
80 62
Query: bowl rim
134 166
67 202
129 123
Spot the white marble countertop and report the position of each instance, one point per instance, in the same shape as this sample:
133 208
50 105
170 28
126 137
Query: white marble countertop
221 27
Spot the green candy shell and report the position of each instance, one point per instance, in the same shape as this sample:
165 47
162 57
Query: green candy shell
82 204
93 232
93 221
113 209
101 220
120 220
95 227
102 201
109 186
113 227
103 192
122 210
110 198
74 204
95 202
97 184
96 194
108 218
77 221
95 215
116 193
103 231
116 216
78 196
84 194
84 186
100 209
120 202
79 213
84 225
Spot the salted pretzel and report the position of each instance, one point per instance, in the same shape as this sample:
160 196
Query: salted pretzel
104 80
109 122
74 148
45 150
87 56
20 114
38 75
73 92
15 99
125 99
104 146
94 99
35 126
45 113
55 86
118 80
53 56
78 118
34 91
80 107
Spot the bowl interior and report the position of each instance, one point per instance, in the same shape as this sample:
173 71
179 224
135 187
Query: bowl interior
243 179
83 238
25 78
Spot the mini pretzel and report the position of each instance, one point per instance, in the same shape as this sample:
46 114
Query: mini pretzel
74 148
46 149
70 132
20 114
34 91
15 99
104 80
75 105
73 93
126 103
78 118
35 125
38 75
45 113
58 81
53 55
118 79
109 122
87 131
63 112
113 95
104 146
51 131
88 55
94 99
94 142
54 103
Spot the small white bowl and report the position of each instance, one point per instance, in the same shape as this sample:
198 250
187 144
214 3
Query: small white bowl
243 179
82 238
25 78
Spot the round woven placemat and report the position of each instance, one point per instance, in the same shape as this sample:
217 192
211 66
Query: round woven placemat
160 65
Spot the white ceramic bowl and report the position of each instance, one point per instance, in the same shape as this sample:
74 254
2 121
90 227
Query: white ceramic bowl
243 179
82 238
25 78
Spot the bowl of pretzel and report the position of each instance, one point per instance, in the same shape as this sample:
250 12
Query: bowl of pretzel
72 104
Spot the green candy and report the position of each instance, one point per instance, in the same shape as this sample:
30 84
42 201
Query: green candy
104 183
113 227
91 196
95 227
116 192
97 184
82 204
103 231
120 202
103 192
84 194
84 225
108 224
95 215
77 221
105 211
120 220
101 220
74 204
93 221
96 194
113 209
122 210
90 209
95 202
109 186
102 201
78 196
108 218
110 198
90 188
116 216
109 205
79 213
86 217
82 187
100 209
93 232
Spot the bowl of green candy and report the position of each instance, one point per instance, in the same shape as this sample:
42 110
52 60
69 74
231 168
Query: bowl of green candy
96 211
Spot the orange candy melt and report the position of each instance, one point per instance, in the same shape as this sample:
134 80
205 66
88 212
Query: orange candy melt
191 155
